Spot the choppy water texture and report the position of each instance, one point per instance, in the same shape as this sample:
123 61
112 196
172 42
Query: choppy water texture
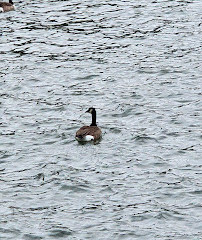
138 63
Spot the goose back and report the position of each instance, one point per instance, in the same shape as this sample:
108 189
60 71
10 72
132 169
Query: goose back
5 7
84 133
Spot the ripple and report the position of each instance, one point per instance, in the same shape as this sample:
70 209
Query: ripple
60 233
31 237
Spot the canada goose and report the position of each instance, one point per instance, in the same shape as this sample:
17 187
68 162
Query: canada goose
89 133
5 7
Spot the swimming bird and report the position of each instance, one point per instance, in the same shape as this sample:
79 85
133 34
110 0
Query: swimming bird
89 133
5 7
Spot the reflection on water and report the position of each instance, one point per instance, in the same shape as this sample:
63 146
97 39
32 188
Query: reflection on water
138 63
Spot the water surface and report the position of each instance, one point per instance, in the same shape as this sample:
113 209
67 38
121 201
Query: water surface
139 64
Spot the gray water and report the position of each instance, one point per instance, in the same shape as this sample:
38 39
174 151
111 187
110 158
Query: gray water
139 64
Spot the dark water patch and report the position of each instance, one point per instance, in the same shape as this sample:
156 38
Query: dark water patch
196 192
58 233
31 237
143 139
73 188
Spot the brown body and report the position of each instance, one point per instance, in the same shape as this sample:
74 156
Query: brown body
88 131
5 7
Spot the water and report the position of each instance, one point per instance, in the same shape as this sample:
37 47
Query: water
139 64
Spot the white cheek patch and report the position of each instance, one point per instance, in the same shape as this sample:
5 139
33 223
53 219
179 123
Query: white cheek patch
1 9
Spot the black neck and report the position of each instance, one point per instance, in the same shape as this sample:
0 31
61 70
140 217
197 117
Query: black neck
11 2
93 118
